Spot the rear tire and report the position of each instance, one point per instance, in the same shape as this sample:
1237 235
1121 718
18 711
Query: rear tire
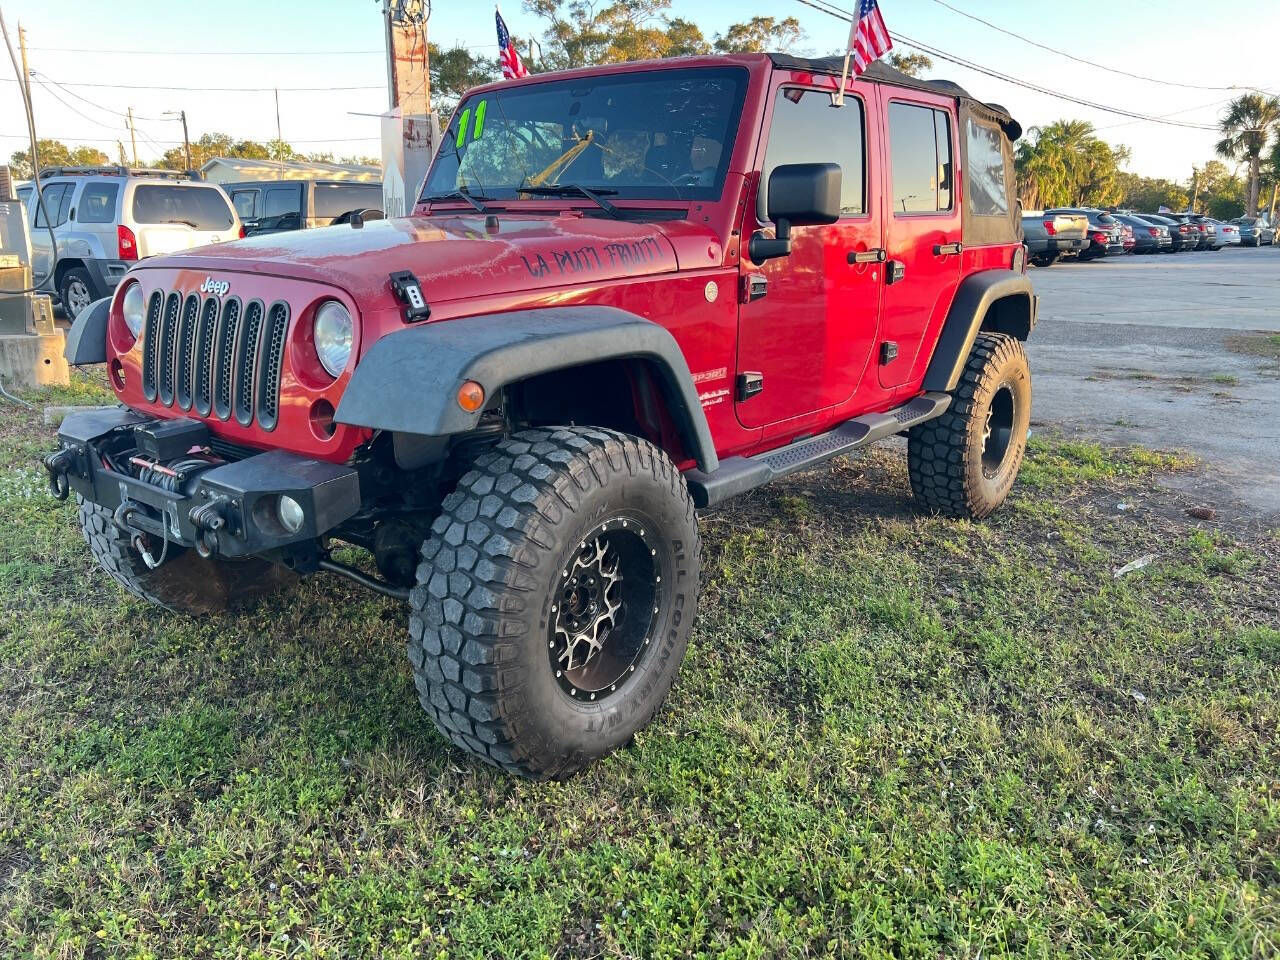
76 291
1045 259
555 598
185 582
964 462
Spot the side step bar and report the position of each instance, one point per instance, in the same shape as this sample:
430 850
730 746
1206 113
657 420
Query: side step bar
739 474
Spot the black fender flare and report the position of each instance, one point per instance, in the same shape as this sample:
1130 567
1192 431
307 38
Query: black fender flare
408 380
87 338
999 300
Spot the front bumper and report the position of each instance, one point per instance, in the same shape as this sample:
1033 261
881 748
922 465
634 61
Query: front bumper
225 508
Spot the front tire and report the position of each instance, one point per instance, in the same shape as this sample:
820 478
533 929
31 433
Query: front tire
555 598
184 582
964 462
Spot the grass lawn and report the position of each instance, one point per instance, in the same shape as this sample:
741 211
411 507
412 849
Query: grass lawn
894 736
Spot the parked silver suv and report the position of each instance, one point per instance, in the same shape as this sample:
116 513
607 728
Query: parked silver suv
106 218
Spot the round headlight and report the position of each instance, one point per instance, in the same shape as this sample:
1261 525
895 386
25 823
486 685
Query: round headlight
333 330
134 309
289 513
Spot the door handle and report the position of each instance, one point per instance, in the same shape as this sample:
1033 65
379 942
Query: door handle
877 255
947 249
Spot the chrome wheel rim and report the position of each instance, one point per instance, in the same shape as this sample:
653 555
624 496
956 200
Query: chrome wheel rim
604 610
77 298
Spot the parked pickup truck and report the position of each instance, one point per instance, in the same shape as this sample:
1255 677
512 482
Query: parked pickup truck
1049 235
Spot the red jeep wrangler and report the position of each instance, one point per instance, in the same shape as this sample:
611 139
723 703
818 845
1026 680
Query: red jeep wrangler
626 292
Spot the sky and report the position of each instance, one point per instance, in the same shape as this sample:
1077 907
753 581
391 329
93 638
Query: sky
139 46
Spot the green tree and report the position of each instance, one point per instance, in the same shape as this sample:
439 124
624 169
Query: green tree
1149 194
455 71
222 145
582 32
758 35
1247 127
912 64
1065 164
55 153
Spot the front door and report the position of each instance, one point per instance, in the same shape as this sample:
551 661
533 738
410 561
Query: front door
922 229
807 340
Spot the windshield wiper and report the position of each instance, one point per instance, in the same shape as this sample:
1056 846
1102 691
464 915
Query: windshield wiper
576 189
470 198
190 223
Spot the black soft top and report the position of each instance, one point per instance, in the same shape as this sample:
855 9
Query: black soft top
878 72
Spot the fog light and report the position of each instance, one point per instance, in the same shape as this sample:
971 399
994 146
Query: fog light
289 513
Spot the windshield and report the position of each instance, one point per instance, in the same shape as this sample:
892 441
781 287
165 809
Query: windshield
201 208
664 134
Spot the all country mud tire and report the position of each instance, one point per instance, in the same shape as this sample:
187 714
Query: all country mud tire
964 462
557 539
185 582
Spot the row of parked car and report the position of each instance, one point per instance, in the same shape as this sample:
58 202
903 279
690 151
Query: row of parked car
1088 233
98 221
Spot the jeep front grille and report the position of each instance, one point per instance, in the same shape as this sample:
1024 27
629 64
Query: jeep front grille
215 358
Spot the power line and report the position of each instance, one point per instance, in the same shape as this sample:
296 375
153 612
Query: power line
44 78
154 86
1091 63
209 53
250 53
178 143
49 90
820 6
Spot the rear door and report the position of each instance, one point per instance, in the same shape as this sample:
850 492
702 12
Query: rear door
922 226
57 205
806 341
169 217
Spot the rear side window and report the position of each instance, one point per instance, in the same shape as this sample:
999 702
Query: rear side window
987 194
57 203
201 208
805 129
98 203
920 150
334 199
245 202
278 201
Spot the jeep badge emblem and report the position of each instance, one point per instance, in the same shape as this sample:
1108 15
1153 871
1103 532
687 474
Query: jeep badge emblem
217 287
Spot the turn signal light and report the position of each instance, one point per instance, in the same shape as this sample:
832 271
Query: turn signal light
471 396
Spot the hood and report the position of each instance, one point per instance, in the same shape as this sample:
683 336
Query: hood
452 256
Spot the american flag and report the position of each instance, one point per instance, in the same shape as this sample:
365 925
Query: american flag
513 67
868 36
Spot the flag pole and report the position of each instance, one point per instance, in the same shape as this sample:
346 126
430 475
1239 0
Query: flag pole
838 99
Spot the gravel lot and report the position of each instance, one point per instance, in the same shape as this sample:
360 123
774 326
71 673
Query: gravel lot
1174 351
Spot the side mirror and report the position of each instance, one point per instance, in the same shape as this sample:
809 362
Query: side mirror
800 195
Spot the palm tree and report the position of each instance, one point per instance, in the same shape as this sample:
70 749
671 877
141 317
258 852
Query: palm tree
1248 125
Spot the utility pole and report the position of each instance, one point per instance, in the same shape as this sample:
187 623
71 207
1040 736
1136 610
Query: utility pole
408 132
120 146
186 140
279 141
133 137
